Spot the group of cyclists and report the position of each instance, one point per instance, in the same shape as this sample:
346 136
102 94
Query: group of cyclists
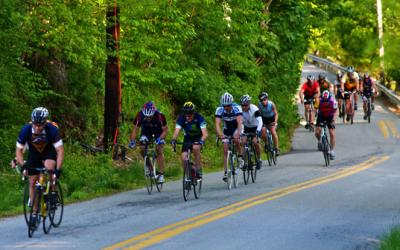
327 98
231 120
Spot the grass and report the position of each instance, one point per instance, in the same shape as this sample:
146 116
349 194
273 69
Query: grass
391 241
86 176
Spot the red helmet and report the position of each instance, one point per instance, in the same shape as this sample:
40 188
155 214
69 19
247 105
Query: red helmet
148 109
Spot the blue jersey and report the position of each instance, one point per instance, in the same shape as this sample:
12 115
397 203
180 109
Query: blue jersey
266 111
193 128
229 118
48 139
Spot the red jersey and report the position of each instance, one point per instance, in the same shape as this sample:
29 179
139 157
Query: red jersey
309 91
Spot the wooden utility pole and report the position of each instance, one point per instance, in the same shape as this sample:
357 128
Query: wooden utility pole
112 99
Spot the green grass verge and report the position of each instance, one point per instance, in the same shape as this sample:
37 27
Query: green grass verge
391 241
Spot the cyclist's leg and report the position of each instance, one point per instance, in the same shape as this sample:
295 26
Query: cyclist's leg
331 127
197 157
320 123
306 111
160 158
225 142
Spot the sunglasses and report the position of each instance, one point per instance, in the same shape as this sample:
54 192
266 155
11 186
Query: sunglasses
245 105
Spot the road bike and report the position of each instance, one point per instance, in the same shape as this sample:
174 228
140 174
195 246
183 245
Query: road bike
367 100
325 145
250 159
192 177
46 205
269 147
232 163
150 165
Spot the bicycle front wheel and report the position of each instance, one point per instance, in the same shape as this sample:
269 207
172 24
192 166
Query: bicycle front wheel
159 185
26 203
325 150
56 210
254 163
197 186
33 224
247 165
369 111
46 217
186 180
230 170
148 172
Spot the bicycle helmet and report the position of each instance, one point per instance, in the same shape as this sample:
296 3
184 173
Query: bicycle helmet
366 75
149 109
245 100
188 108
325 94
226 99
339 74
321 77
310 78
262 96
350 69
40 115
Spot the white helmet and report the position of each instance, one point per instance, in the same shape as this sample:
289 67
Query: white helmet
40 115
226 99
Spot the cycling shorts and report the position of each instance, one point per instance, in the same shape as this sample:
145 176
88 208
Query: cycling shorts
250 130
186 147
268 120
329 121
36 160
309 101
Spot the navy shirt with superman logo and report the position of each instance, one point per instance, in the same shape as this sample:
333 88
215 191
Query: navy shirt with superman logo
48 138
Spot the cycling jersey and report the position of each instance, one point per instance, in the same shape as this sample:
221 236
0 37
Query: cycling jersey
324 85
350 84
327 107
229 118
309 91
252 118
152 126
367 87
267 111
39 143
192 129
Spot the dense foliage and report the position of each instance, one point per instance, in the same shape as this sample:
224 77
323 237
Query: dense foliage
53 54
349 35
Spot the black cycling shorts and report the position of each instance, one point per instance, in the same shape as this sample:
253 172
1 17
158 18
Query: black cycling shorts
268 120
36 160
329 121
250 130
186 147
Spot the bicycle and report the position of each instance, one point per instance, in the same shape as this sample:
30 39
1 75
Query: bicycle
191 179
269 147
325 145
232 163
150 166
49 203
369 107
250 159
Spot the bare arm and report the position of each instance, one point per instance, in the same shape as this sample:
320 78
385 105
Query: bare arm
60 156
176 133
19 155
204 134
164 132
218 127
134 132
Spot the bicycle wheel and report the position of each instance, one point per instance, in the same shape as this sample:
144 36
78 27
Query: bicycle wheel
32 225
56 210
236 171
369 110
159 185
344 111
26 202
325 149
45 201
246 169
253 161
196 185
186 181
148 174
272 149
230 170
267 150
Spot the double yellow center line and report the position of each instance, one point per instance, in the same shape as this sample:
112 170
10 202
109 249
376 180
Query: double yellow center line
388 126
169 231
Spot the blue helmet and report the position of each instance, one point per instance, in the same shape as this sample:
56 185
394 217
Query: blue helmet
39 115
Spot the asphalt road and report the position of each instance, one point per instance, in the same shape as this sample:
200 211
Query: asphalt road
298 204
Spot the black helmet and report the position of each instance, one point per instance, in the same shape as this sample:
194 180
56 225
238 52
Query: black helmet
321 77
245 100
262 96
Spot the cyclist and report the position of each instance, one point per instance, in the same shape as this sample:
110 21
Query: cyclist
195 131
326 113
45 148
153 124
368 89
309 93
252 123
339 91
269 115
324 83
231 115
350 83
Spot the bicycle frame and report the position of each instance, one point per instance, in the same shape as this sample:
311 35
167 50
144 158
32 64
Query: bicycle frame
232 163
149 166
250 155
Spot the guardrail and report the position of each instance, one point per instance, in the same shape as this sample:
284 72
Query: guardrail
333 68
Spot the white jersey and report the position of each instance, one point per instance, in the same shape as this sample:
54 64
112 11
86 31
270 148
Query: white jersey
252 118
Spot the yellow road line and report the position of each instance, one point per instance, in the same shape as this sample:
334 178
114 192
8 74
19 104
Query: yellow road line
383 128
393 129
169 231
